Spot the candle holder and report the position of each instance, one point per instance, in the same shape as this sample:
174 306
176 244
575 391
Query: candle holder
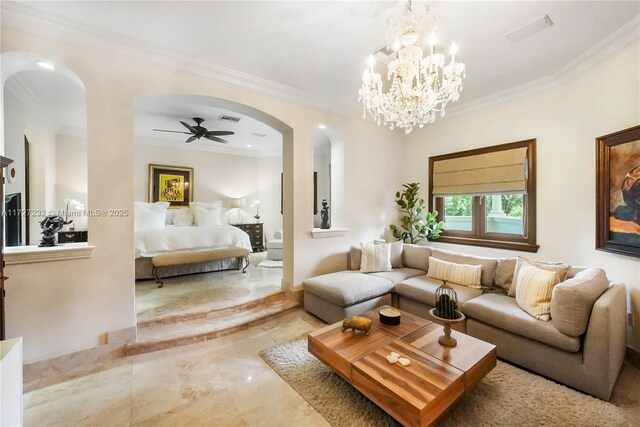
447 340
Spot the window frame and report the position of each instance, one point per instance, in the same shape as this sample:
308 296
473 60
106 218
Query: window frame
478 236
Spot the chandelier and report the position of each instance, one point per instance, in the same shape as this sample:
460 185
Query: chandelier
420 87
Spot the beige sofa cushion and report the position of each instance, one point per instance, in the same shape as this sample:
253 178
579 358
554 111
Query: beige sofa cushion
502 312
533 290
488 264
573 299
559 267
415 256
504 273
460 274
399 274
346 288
423 289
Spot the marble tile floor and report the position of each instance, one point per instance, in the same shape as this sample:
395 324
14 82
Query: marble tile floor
222 382
183 296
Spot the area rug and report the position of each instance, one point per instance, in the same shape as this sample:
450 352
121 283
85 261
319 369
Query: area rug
269 263
507 396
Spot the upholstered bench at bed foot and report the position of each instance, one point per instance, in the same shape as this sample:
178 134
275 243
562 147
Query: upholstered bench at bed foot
335 296
196 257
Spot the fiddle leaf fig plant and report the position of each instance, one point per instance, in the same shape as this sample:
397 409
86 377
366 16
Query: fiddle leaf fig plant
417 223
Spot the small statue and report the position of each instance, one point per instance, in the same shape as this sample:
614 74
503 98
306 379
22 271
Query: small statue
324 214
50 225
357 323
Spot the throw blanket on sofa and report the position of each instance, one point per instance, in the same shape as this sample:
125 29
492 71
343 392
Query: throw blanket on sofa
152 242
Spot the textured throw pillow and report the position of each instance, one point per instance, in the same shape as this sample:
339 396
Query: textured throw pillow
504 273
534 287
460 274
355 257
183 217
204 217
375 258
150 215
560 268
395 254
488 264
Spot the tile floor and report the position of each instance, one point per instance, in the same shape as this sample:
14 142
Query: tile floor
184 295
222 382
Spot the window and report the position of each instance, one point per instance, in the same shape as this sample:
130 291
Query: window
487 197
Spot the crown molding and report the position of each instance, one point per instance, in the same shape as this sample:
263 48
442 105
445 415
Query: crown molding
21 17
615 42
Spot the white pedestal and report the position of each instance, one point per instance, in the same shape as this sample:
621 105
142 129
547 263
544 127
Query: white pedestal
11 382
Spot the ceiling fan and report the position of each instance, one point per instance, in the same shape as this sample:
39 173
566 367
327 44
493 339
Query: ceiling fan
198 132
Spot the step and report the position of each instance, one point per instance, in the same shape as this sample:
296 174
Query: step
162 336
205 311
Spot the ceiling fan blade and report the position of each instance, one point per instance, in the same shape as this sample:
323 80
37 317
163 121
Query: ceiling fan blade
220 132
174 131
213 138
188 126
192 138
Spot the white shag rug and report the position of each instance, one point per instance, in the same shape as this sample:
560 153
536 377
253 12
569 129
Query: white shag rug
507 396
269 263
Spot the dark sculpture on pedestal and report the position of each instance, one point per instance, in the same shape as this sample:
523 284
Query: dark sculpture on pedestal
50 225
324 214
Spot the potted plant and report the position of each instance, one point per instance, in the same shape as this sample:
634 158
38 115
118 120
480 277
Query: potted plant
417 223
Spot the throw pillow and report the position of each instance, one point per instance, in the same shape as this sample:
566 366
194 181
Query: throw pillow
460 274
183 217
206 217
533 290
150 215
559 267
375 258
355 257
396 253
504 273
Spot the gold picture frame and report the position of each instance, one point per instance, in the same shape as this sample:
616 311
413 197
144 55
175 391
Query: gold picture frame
173 184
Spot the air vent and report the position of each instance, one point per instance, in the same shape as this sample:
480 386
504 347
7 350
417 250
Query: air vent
529 29
384 55
259 135
225 118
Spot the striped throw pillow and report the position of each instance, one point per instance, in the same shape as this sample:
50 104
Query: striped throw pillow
375 258
460 274
533 290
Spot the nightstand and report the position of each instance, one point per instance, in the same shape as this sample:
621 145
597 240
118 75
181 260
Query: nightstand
256 235
73 236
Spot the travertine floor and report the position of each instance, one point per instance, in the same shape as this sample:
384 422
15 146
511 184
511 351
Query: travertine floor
222 382
183 295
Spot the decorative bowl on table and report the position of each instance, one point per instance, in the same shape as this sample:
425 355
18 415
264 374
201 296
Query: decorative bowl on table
447 340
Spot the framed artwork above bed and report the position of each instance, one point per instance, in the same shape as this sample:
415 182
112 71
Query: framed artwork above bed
171 184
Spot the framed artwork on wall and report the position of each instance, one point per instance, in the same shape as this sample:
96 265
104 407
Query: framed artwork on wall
171 184
618 192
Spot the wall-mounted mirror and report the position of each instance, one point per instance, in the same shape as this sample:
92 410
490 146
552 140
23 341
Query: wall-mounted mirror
45 134
322 174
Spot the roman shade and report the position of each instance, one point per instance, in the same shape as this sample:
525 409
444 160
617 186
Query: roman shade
497 172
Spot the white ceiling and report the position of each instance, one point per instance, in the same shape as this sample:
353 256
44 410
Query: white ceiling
317 49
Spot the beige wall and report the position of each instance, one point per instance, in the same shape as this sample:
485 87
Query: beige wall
61 307
566 120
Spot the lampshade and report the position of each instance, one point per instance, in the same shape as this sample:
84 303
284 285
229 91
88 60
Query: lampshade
240 202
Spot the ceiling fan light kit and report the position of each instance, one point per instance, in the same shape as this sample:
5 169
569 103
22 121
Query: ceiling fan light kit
199 131
419 86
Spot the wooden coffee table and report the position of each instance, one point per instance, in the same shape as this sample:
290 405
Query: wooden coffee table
416 395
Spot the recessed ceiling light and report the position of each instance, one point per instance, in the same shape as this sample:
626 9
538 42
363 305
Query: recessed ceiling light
321 126
45 65
248 145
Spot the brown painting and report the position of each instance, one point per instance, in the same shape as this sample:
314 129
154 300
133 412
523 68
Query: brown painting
618 217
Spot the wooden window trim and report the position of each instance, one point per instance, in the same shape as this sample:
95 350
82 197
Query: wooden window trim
478 236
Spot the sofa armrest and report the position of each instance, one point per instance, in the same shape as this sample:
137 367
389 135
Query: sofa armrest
605 339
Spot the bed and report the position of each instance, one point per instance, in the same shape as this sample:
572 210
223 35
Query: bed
164 239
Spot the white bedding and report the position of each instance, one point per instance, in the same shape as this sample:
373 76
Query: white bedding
172 238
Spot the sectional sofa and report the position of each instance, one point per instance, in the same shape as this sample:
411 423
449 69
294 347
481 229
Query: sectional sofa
583 345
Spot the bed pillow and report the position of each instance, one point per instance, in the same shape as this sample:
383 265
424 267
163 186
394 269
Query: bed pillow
169 217
207 205
375 258
204 217
183 217
460 274
150 215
